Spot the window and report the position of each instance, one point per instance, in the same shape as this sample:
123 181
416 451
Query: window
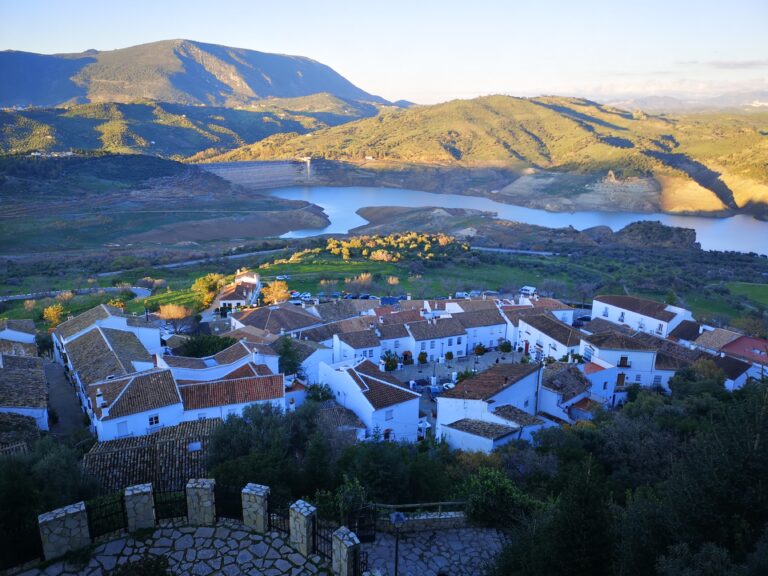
624 362
605 312
201 416
637 377
458 340
605 385
621 317
423 346
431 344
657 380
660 328
450 341
122 428
389 415
232 412
526 403
154 420
397 344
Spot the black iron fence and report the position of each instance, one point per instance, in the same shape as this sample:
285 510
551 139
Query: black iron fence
106 515
323 538
171 504
360 566
277 514
229 501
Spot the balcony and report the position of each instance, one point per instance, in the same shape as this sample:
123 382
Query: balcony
624 363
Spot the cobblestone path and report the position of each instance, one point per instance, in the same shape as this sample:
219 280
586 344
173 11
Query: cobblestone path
461 552
227 548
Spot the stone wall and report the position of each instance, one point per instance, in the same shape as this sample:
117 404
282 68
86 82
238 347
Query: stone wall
256 507
63 530
201 506
345 551
301 519
139 507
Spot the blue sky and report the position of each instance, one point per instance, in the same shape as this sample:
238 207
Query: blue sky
430 51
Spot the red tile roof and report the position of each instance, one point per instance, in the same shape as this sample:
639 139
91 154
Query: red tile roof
381 389
749 348
490 382
236 391
142 392
649 308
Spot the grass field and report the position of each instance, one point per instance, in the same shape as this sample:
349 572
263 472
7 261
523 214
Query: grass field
756 292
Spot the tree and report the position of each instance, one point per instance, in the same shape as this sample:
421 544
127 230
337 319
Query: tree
53 313
422 357
449 356
391 360
289 362
505 346
480 349
206 288
205 345
173 313
275 292
29 305
494 500
44 342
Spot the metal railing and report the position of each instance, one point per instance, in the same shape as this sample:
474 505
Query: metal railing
228 501
323 538
106 515
277 515
172 504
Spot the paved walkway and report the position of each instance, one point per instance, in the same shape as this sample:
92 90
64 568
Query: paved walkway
464 552
226 549
62 398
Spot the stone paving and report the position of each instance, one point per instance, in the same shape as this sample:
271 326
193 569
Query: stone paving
462 552
227 548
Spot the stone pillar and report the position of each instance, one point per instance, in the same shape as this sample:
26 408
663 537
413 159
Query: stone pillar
301 520
201 507
256 507
63 530
139 507
346 548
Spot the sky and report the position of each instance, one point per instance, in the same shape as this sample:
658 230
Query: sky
430 51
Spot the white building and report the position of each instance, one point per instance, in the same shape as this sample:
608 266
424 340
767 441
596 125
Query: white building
222 364
354 345
380 401
483 327
18 330
395 338
134 405
640 314
543 336
635 360
437 337
566 393
490 409
104 316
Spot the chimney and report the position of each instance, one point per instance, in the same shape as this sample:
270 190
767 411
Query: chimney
408 296
282 331
99 398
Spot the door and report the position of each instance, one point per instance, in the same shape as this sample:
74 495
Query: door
620 379
526 347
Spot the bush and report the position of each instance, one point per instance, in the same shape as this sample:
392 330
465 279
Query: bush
449 356
422 357
480 350
505 346
494 500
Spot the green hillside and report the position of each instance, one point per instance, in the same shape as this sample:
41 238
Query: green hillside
180 71
169 129
703 162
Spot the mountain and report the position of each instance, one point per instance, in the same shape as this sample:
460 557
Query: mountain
733 100
701 162
177 71
170 130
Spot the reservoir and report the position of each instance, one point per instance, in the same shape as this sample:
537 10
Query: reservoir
739 233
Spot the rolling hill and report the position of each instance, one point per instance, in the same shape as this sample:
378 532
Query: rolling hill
177 71
714 162
166 129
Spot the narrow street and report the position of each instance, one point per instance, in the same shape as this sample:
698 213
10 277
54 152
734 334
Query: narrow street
62 399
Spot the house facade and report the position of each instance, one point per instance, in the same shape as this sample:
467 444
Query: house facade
640 314
388 409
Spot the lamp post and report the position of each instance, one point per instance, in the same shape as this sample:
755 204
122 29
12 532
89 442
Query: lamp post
397 519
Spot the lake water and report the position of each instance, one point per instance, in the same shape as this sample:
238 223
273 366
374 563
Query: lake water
739 233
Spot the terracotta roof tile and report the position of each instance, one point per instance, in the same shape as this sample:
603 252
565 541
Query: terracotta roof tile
686 330
552 327
516 415
273 319
23 384
564 379
432 330
380 388
489 317
716 339
361 339
642 306
486 384
13 348
750 349
392 331
236 391
139 393
18 325
481 428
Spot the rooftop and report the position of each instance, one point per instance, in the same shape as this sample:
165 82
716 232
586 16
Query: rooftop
103 352
236 292
163 458
482 428
21 325
435 329
516 415
14 348
552 327
749 348
650 308
716 339
686 330
478 318
22 384
70 327
343 309
361 339
731 367
381 389
487 384
199 395
564 379
135 394
617 341
274 319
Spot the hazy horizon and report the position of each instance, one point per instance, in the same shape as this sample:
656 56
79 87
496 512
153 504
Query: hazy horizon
436 51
